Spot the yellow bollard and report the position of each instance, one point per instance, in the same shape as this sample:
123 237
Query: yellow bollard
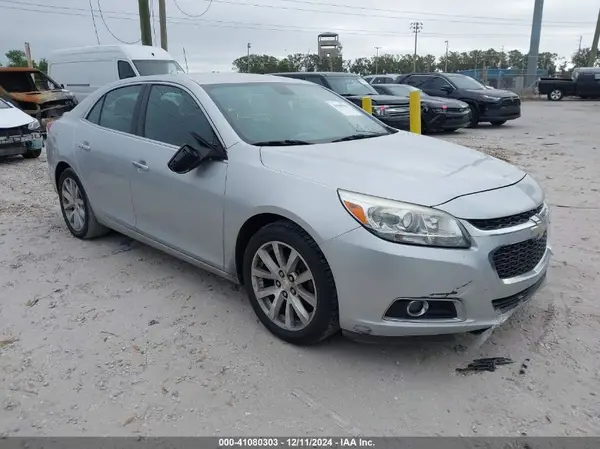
367 104
414 99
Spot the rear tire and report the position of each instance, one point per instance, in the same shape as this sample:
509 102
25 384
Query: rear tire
555 95
32 154
294 275
498 122
76 209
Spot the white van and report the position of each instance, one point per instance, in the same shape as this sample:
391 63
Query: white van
82 70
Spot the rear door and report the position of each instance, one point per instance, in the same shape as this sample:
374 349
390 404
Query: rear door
183 211
104 141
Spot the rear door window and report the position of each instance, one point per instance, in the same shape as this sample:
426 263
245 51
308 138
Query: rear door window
417 80
94 114
119 106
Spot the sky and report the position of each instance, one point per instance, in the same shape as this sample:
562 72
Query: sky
215 32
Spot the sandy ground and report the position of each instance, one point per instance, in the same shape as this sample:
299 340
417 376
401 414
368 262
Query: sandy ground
110 337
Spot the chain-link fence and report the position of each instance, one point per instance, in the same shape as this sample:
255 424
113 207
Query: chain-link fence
515 80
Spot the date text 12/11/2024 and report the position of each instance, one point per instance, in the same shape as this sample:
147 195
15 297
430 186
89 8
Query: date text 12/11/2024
295 442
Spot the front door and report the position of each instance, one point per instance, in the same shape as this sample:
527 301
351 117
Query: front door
183 211
102 143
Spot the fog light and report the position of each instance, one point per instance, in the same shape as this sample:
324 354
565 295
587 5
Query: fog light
417 308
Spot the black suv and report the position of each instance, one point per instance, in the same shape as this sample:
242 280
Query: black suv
487 105
389 78
391 110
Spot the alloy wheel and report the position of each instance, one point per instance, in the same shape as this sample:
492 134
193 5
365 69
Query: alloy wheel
73 204
284 286
556 94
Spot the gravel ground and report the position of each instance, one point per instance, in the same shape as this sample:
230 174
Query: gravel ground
110 337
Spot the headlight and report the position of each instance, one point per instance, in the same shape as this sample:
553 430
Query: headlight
491 97
443 109
405 223
34 125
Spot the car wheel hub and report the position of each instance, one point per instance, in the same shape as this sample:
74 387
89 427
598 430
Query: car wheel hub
73 204
284 286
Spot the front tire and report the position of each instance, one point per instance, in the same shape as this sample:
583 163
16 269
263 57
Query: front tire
32 154
498 122
290 284
76 209
474 116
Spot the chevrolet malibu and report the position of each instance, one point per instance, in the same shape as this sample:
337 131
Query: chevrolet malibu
329 218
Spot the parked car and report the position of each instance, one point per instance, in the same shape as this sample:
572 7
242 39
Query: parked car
393 111
585 83
329 218
437 113
85 69
390 78
20 134
35 93
487 105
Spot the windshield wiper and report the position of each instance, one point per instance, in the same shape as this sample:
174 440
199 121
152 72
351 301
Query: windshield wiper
357 137
281 143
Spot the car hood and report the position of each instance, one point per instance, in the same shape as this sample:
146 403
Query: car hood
13 117
493 92
380 99
402 166
435 101
41 97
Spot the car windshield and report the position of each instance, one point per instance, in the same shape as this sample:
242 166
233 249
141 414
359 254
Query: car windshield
4 104
465 82
403 90
291 113
157 67
26 81
350 85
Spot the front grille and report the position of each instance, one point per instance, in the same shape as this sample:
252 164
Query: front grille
515 101
16 131
519 258
506 222
458 109
503 305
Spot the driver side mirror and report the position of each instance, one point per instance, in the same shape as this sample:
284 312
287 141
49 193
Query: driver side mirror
188 158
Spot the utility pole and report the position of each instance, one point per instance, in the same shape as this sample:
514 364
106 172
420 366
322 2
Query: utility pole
580 39
416 28
185 58
446 62
534 43
28 55
594 49
145 29
162 19
376 59
248 57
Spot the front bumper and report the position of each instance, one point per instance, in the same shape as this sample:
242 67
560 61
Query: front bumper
371 274
448 120
499 112
16 145
398 121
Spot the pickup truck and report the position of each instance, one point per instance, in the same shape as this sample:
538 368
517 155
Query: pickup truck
391 110
585 83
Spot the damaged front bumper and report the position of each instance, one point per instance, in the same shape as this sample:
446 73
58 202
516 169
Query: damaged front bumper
378 280
14 145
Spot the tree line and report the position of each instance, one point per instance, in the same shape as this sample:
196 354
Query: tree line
18 58
390 63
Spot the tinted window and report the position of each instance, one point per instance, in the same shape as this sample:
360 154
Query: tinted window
172 115
350 85
125 70
94 114
317 80
278 111
435 84
119 107
417 80
465 82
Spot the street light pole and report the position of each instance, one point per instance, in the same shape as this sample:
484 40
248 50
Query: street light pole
446 62
416 28
376 60
248 57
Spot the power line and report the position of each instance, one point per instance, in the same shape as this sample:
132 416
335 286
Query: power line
94 22
194 16
254 26
108 28
468 19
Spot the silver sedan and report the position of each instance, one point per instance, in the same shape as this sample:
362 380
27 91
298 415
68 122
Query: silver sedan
329 218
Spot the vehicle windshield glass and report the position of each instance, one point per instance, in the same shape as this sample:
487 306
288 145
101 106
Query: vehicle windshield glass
156 67
403 90
4 104
293 112
24 81
350 85
465 82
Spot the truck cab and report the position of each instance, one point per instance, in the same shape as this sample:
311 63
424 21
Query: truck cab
584 83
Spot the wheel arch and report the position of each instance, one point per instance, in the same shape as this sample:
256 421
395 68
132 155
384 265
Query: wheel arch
258 221
60 168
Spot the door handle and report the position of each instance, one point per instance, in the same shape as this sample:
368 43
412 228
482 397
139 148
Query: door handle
141 165
84 146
